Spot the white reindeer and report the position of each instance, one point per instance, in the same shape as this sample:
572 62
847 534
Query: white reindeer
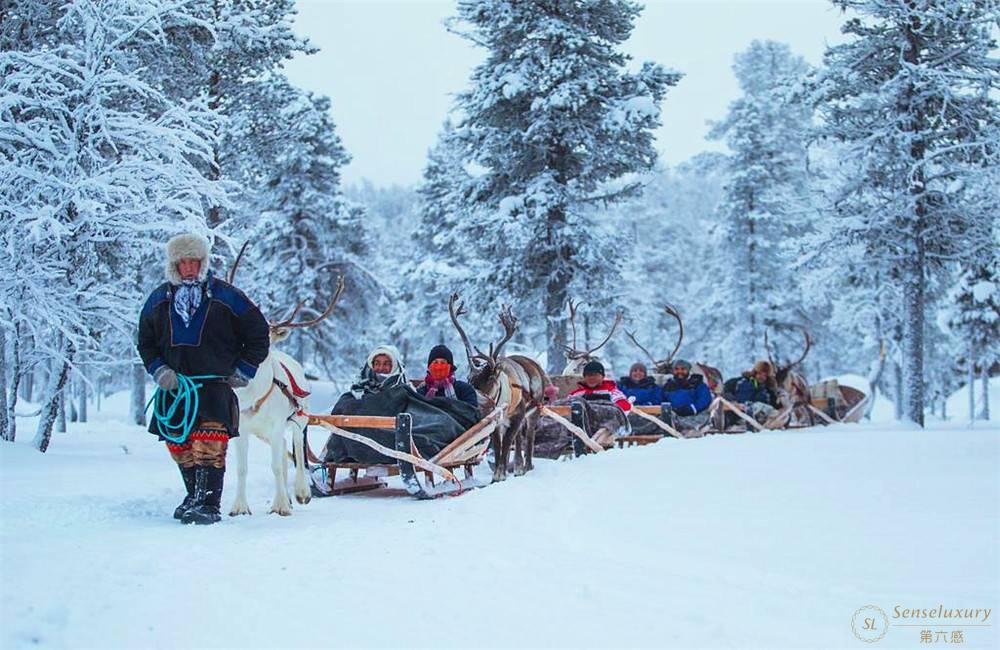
276 396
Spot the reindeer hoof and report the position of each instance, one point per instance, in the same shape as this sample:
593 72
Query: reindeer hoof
284 512
237 513
240 509
303 499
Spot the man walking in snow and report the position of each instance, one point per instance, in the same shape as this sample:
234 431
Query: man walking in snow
196 325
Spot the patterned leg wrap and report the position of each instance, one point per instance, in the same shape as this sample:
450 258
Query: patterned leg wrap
182 454
208 445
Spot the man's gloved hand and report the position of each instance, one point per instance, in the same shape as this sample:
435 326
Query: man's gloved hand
165 378
237 380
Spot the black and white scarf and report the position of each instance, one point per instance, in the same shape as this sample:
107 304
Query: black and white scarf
187 298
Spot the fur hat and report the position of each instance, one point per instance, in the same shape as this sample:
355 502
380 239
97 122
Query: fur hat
189 246
593 368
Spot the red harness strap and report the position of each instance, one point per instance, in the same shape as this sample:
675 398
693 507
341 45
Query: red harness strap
297 390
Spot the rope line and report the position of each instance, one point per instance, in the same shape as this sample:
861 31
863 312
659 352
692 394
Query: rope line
185 400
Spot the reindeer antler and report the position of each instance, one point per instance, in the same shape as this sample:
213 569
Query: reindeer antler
288 324
236 262
456 308
572 321
635 341
672 311
509 322
805 351
572 353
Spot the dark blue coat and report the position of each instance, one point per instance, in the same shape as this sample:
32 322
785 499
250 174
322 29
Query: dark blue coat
747 389
645 391
689 396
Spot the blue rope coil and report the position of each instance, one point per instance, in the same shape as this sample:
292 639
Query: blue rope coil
185 402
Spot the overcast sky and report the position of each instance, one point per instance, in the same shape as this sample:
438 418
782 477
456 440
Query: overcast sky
391 68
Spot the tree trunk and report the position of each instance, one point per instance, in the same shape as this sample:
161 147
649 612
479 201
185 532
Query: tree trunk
28 386
73 415
82 397
984 375
556 288
913 335
61 413
15 380
555 323
138 402
971 382
897 389
51 407
3 384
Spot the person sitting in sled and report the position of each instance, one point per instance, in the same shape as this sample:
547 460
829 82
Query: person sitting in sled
440 380
641 386
196 324
596 387
755 392
383 369
688 395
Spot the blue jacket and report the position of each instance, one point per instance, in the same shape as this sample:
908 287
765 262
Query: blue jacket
747 389
645 392
688 397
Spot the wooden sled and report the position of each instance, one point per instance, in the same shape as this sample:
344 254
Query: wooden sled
466 451
583 442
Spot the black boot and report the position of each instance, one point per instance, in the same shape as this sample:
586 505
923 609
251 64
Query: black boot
207 496
187 473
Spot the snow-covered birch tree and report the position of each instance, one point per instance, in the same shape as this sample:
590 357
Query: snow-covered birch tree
97 166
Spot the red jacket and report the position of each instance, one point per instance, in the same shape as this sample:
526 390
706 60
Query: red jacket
609 389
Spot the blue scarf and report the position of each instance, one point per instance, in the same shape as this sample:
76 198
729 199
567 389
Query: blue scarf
187 298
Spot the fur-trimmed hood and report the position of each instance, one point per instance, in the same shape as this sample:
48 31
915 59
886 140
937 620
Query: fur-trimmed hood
390 351
182 247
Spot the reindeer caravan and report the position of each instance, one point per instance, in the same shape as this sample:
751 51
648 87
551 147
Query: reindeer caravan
212 355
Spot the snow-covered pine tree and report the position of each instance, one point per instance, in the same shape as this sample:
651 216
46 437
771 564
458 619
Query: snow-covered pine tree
765 199
98 163
552 124
438 260
912 96
976 319
303 232
250 40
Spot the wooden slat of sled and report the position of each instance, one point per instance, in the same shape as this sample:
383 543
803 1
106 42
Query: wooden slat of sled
476 435
356 421
638 440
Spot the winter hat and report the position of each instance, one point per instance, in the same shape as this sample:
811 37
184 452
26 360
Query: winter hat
189 246
593 368
441 352
391 352
681 363
638 365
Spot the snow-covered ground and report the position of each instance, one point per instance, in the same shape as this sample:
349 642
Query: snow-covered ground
767 540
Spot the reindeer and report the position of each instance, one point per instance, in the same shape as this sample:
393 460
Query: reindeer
576 359
276 396
515 381
793 389
711 375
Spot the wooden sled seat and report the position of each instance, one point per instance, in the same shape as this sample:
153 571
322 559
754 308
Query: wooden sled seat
466 451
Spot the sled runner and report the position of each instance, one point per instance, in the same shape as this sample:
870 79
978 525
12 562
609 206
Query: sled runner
466 452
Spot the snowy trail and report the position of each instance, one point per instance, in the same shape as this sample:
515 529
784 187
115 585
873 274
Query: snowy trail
769 540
